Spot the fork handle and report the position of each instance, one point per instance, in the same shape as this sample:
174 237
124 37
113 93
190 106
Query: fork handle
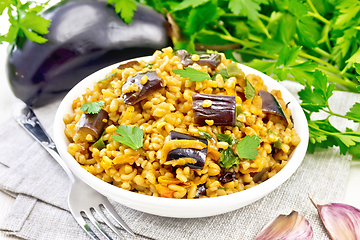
25 116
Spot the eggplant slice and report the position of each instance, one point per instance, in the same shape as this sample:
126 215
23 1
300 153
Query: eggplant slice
153 83
222 109
211 60
271 106
180 153
93 124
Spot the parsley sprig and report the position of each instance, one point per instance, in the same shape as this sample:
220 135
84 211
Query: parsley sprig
92 107
192 74
315 98
249 90
130 136
245 148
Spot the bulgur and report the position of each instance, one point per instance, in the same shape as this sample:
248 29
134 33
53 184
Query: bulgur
146 169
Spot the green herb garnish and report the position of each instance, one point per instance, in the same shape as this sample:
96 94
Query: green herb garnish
226 138
108 77
100 144
204 134
277 144
132 137
270 131
247 147
92 107
192 74
239 124
238 110
223 72
249 90
209 51
148 65
228 159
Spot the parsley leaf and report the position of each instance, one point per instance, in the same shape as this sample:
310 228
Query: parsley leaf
228 159
35 22
189 3
25 21
315 97
355 57
303 27
248 8
192 74
223 72
108 77
348 10
297 8
4 4
323 134
211 51
198 17
125 8
263 66
247 147
100 144
132 137
92 107
354 112
302 72
357 69
226 138
288 55
249 90
204 134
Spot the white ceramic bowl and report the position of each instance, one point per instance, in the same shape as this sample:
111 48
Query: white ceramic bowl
181 208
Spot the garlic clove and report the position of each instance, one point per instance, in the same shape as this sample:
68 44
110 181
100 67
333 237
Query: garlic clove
287 227
341 221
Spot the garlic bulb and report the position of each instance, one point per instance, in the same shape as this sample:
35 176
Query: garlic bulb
287 227
342 221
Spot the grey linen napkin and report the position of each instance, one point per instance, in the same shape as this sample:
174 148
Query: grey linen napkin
41 187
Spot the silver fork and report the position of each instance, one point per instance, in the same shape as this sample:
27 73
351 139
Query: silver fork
82 198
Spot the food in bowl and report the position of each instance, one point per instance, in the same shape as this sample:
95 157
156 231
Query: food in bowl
181 126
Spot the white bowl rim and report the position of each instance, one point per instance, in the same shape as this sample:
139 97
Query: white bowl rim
129 198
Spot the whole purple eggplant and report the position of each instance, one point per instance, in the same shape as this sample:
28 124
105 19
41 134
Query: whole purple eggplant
84 36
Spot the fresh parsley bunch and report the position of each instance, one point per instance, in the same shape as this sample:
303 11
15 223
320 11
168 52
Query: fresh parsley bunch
315 43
